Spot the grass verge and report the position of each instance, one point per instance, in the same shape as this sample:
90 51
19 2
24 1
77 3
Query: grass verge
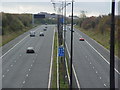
103 39
12 35
54 68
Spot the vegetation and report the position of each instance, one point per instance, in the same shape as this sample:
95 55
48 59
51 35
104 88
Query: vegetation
45 20
99 28
14 25
54 68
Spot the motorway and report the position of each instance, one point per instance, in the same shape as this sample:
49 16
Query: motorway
91 62
22 70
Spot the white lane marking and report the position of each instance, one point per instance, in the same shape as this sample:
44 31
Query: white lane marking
57 65
105 85
93 67
96 72
20 55
51 63
14 61
76 77
67 70
7 70
31 65
29 69
23 82
90 62
78 85
3 76
11 65
33 61
86 56
100 78
16 45
99 54
27 75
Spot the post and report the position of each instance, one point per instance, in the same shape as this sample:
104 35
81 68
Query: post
112 72
64 36
71 53
33 19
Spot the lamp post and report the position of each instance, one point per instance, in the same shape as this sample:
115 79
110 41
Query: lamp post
112 71
71 53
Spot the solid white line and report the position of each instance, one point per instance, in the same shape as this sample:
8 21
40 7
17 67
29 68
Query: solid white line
101 56
78 85
76 77
67 70
51 63
15 45
57 65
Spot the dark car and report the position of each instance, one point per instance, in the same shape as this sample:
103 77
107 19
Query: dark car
45 29
30 50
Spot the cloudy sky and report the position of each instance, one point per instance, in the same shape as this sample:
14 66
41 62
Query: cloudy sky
92 8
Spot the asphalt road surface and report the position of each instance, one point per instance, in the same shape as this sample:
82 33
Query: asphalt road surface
91 62
22 70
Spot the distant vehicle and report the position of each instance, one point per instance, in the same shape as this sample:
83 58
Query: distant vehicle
32 33
45 23
30 50
45 29
41 34
81 39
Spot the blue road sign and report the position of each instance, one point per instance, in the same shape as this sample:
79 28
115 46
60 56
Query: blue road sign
61 51
62 20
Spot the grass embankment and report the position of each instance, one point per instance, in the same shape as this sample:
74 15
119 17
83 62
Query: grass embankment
54 68
103 39
12 35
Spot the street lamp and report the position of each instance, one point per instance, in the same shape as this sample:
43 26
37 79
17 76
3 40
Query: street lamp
112 42
71 53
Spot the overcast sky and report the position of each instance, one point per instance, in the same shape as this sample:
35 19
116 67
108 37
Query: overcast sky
92 8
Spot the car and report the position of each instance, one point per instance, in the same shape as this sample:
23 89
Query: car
41 34
32 33
30 50
81 39
45 29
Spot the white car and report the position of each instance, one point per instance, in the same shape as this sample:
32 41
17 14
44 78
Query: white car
30 50
41 34
32 33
